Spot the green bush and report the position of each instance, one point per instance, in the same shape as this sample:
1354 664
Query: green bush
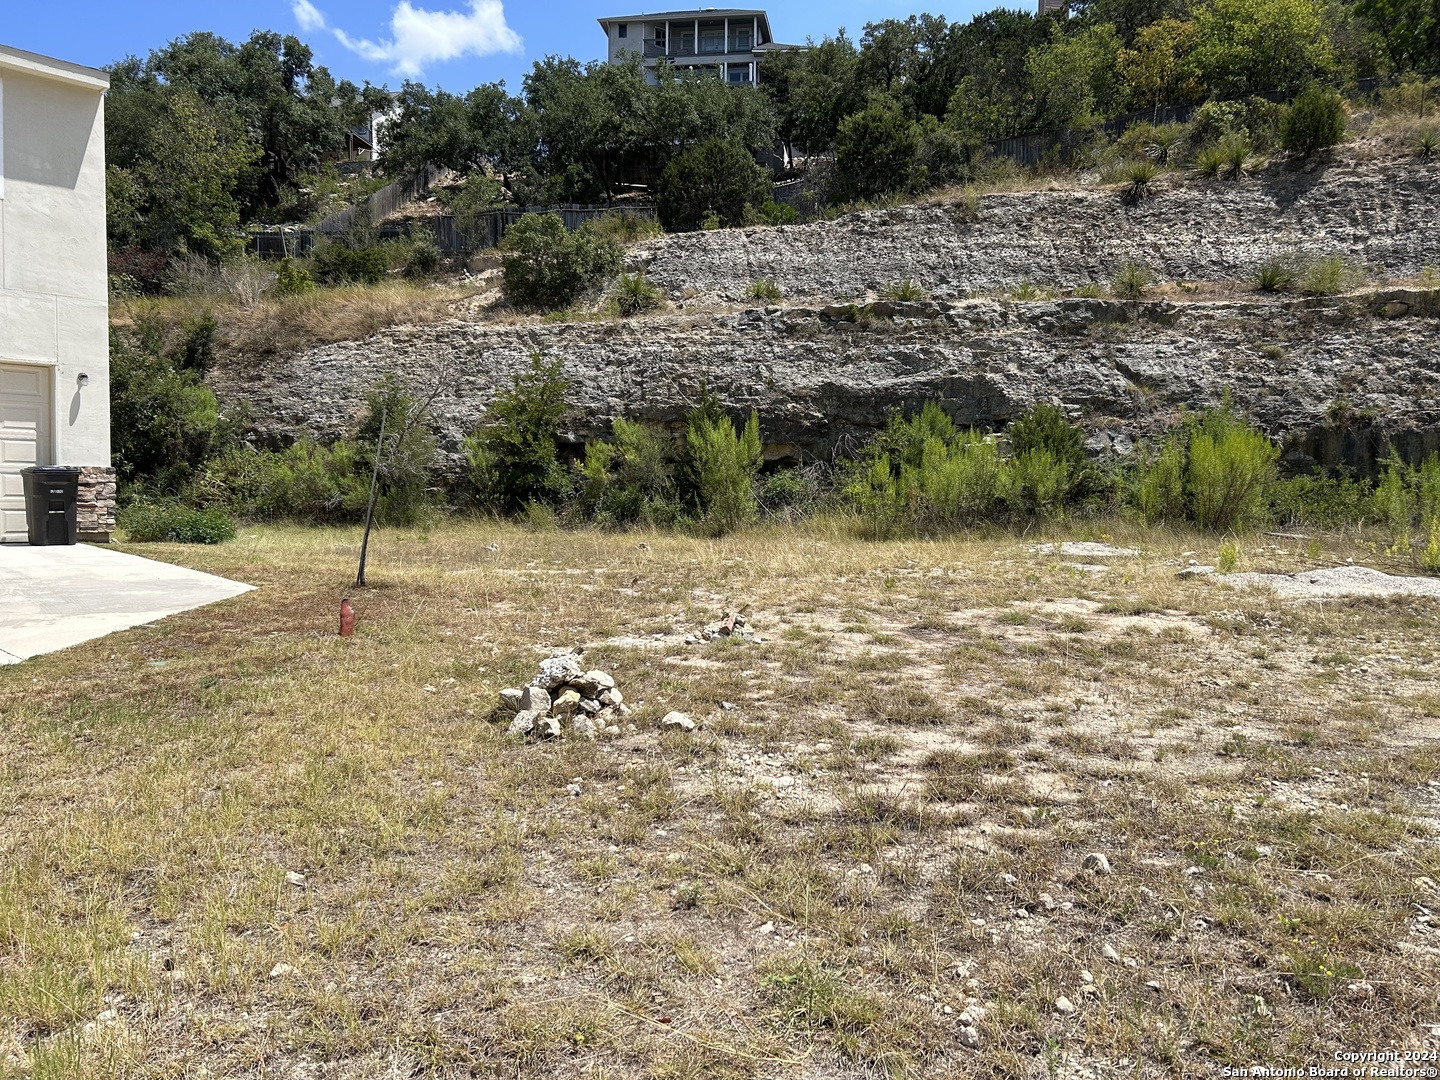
1160 485
547 267
1274 276
772 213
716 177
515 458
875 152
308 482
1314 121
1323 501
1236 153
725 463
626 227
407 456
1138 177
787 491
338 264
906 289
635 295
1427 141
630 479
419 257
1326 276
1210 161
1230 471
1131 282
172 523
164 420
292 280
764 289
961 482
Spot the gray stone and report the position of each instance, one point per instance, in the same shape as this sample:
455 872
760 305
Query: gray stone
557 671
1064 1005
510 698
594 681
534 699
967 1037
524 722
612 696
676 721
547 727
584 725
1096 862
590 705
566 705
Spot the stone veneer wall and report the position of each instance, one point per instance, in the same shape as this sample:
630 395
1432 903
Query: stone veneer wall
95 509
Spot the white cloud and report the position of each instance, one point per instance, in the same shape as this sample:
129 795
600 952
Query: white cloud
420 37
308 15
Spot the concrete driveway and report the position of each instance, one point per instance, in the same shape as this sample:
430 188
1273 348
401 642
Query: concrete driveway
55 597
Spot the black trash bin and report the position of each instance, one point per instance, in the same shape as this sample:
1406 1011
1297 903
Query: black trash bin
51 495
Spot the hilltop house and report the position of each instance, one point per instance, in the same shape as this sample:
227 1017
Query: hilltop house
727 42
54 317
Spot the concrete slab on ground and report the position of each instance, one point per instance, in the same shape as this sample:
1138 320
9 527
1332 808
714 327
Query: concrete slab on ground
55 597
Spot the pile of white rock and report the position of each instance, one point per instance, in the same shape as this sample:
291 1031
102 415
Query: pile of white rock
564 693
732 625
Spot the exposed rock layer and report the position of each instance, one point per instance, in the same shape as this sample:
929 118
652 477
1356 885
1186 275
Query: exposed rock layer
1332 374
1381 215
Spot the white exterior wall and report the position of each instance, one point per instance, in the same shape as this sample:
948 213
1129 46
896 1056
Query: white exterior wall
53 294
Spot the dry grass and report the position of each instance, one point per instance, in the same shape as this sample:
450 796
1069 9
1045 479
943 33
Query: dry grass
274 325
887 831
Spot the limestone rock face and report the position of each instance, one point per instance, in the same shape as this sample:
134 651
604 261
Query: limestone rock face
823 374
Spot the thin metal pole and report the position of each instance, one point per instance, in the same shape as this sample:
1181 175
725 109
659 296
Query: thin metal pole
370 508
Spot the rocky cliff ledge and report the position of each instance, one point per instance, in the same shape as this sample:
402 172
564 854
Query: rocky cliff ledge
1380 214
1333 375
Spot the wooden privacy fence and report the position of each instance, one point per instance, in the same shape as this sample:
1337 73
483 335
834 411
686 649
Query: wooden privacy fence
478 233
379 205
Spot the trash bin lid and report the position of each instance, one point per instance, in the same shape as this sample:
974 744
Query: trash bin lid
52 470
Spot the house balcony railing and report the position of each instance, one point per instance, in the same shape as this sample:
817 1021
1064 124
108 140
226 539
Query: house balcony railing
737 55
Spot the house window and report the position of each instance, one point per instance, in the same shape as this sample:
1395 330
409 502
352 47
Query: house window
621 29
712 41
660 38
740 73
742 41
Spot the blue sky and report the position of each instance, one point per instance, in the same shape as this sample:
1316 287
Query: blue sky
456 44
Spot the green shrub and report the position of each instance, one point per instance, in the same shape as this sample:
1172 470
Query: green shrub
292 280
1227 559
515 458
1427 142
1314 121
1230 470
1026 290
961 482
1323 501
1138 177
1326 276
1210 161
1236 153
308 482
1160 485
772 213
716 177
1430 556
787 491
764 289
407 455
547 267
420 257
635 295
172 523
338 264
1131 282
630 479
725 463
906 289
164 421
626 227
875 152
1274 276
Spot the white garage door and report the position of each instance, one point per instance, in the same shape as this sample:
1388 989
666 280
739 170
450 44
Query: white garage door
24 440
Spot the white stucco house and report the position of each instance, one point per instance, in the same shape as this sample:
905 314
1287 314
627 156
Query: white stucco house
54 319
726 42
